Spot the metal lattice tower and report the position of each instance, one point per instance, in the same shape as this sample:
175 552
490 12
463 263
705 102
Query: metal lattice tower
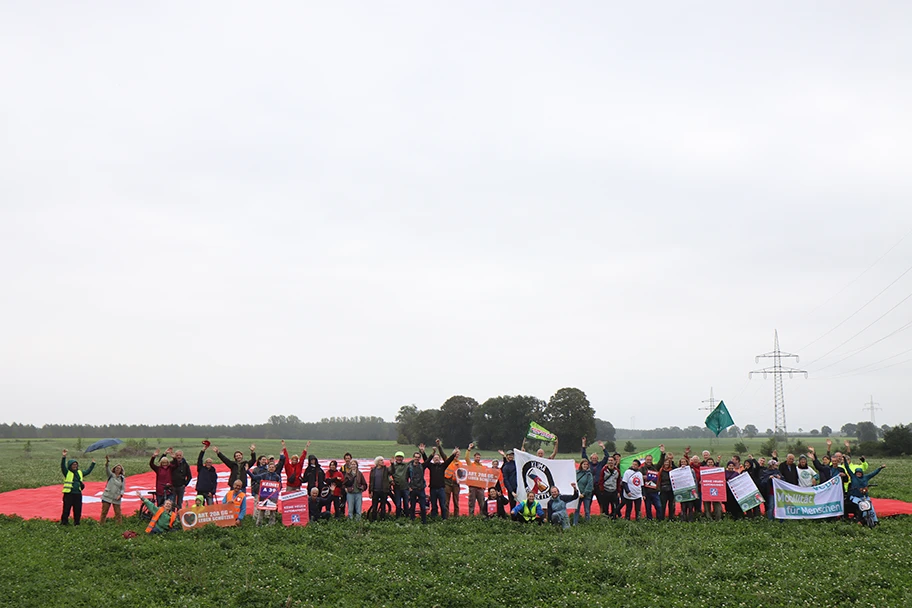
711 404
870 406
778 370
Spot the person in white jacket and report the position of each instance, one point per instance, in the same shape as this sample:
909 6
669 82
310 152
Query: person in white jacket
633 490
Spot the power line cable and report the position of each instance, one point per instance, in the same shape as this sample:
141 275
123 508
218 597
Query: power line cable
853 353
838 325
852 371
849 284
864 329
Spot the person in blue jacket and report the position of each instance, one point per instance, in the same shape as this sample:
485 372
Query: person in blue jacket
528 511
508 470
596 465
858 484
557 506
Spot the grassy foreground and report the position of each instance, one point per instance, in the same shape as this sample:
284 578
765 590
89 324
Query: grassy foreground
461 563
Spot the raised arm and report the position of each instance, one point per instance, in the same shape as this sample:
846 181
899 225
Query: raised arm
90 469
583 454
554 453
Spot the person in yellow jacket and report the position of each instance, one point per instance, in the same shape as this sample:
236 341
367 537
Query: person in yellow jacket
72 489
164 517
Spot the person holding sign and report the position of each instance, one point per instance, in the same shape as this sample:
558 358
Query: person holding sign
267 499
476 493
495 503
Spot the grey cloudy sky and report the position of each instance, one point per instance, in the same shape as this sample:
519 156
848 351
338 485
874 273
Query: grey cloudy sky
214 213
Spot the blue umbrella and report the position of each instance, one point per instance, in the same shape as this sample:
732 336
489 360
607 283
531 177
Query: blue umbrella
102 444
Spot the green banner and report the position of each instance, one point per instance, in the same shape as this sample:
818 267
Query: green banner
656 453
719 419
540 433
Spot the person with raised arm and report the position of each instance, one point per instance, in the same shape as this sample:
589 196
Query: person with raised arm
399 471
163 517
206 478
596 466
557 506
379 485
585 485
163 485
238 466
72 489
414 477
294 467
113 492
610 483
495 504
666 493
437 468
652 502
476 494
269 474
541 452
180 476
451 483
508 471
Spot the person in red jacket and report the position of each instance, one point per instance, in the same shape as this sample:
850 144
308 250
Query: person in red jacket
163 487
294 467
334 483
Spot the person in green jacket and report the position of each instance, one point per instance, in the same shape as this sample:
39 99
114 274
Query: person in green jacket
586 485
72 489
399 470
164 518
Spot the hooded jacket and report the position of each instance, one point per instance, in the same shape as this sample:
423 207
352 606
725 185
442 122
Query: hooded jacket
72 480
114 488
314 476
293 472
180 473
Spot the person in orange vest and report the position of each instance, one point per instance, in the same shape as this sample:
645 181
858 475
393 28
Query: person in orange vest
237 497
450 482
163 517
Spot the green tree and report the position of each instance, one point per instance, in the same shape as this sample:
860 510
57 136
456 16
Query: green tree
826 431
751 431
898 440
740 447
630 448
503 421
605 431
79 444
769 446
455 420
849 429
866 431
405 422
28 448
569 415
427 428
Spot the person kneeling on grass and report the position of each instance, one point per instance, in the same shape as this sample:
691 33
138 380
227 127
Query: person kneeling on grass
164 517
528 511
316 505
557 506
495 503
236 496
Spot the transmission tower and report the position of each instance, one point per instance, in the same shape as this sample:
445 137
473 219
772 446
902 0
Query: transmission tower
711 404
870 406
778 370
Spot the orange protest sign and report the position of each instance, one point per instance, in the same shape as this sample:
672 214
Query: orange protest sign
481 476
222 515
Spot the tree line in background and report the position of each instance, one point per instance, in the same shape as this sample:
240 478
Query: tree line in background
502 422
356 428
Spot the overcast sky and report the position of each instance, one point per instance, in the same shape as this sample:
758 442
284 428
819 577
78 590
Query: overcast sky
213 212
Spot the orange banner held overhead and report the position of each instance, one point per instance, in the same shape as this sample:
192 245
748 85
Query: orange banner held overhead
481 476
222 515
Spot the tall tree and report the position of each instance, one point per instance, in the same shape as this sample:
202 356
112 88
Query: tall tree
866 431
569 415
826 431
405 420
503 421
455 420
898 440
604 430
751 431
849 430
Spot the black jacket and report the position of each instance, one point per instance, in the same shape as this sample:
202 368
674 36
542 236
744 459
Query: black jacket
789 473
206 479
437 469
180 473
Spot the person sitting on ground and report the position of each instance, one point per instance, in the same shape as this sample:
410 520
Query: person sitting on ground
113 492
316 505
236 497
557 506
495 504
528 511
164 517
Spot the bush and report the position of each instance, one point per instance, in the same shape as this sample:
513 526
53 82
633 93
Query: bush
871 448
133 447
740 448
798 448
629 447
898 440
769 446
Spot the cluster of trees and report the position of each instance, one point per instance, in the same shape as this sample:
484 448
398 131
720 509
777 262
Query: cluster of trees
502 422
277 427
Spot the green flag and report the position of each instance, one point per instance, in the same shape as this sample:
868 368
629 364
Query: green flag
656 453
537 431
719 419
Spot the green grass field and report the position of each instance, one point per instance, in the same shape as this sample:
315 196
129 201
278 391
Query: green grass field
455 563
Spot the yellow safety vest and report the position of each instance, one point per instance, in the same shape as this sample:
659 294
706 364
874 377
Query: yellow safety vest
529 512
71 478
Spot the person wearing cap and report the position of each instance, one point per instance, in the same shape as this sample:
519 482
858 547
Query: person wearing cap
399 471
206 478
508 470
767 476
633 490
807 477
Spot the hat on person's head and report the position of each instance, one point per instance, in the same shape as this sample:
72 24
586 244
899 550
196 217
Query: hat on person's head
509 452
400 454
803 457
773 463
730 462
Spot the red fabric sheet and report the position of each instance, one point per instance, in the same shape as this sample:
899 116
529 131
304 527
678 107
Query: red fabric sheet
46 502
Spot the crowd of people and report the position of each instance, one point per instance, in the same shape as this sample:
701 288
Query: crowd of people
427 485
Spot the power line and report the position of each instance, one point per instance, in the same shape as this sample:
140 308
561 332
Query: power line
778 370
838 325
855 352
871 406
865 328
870 364
847 285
